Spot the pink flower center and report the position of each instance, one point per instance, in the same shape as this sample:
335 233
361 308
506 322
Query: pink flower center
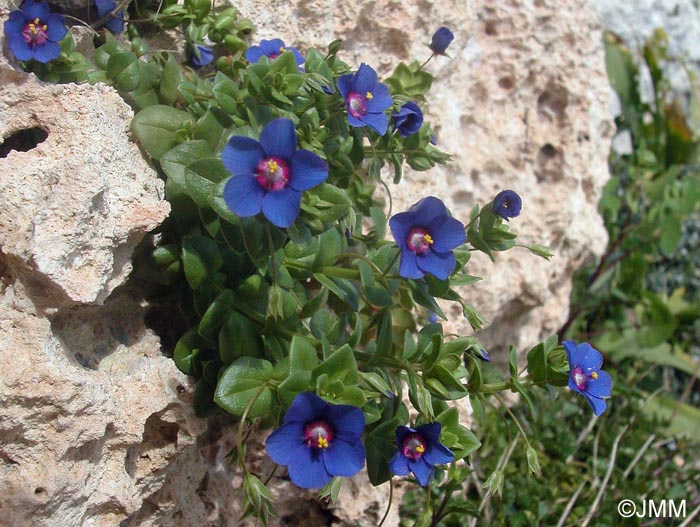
34 32
272 173
413 447
419 240
581 378
318 434
276 54
356 103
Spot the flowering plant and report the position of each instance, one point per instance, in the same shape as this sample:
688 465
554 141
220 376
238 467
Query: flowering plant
302 316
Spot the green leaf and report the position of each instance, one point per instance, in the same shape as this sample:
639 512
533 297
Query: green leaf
340 365
302 354
330 245
201 259
185 348
315 303
156 127
240 383
123 67
342 288
424 298
238 338
376 294
174 161
380 446
216 315
169 81
201 178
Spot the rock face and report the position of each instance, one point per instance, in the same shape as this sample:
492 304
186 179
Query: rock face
96 427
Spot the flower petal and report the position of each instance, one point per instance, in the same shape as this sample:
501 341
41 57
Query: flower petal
422 470
272 47
241 155
355 122
381 99
440 265
243 195
32 10
20 49
429 210
598 405
347 421
14 25
253 54
344 458
408 267
601 386
308 170
305 408
56 27
364 79
401 225
451 234
431 432
344 84
583 356
378 122
46 52
308 470
297 56
399 464
278 139
282 444
438 454
281 207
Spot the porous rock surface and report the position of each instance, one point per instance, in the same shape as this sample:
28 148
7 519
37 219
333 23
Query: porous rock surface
96 426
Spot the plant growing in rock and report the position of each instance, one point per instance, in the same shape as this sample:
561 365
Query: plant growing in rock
303 316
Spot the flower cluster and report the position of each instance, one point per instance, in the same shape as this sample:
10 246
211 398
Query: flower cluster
271 49
33 32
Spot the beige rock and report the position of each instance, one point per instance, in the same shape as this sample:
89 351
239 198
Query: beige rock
96 427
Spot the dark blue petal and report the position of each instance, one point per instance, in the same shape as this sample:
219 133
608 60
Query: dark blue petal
244 195
598 405
429 210
104 6
344 458
422 470
379 122
431 432
401 225
305 408
588 358
14 25
399 464
450 235
278 139
283 444
355 122
281 207
56 27
46 52
344 85
409 265
438 454
241 155
116 23
206 55
308 470
441 39
307 170
408 119
253 54
402 432
364 79
32 10
440 265
348 422
20 49
381 99
297 56
272 47
601 386
507 204
569 347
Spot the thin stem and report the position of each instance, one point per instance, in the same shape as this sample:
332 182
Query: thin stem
429 59
391 263
241 425
639 455
273 263
512 416
391 498
570 505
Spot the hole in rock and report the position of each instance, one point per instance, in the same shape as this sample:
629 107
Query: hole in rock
23 140
506 82
553 101
39 490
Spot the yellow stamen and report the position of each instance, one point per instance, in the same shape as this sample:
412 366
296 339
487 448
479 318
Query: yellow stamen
420 449
428 239
37 21
594 375
369 95
322 442
282 49
43 27
272 166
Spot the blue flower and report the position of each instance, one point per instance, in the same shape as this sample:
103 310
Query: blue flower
426 236
201 55
408 119
507 204
33 32
585 375
318 441
269 175
419 450
366 99
115 23
441 39
271 49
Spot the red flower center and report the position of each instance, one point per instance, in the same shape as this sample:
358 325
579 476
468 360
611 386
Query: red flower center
272 173
318 434
34 32
356 103
413 447
419 240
